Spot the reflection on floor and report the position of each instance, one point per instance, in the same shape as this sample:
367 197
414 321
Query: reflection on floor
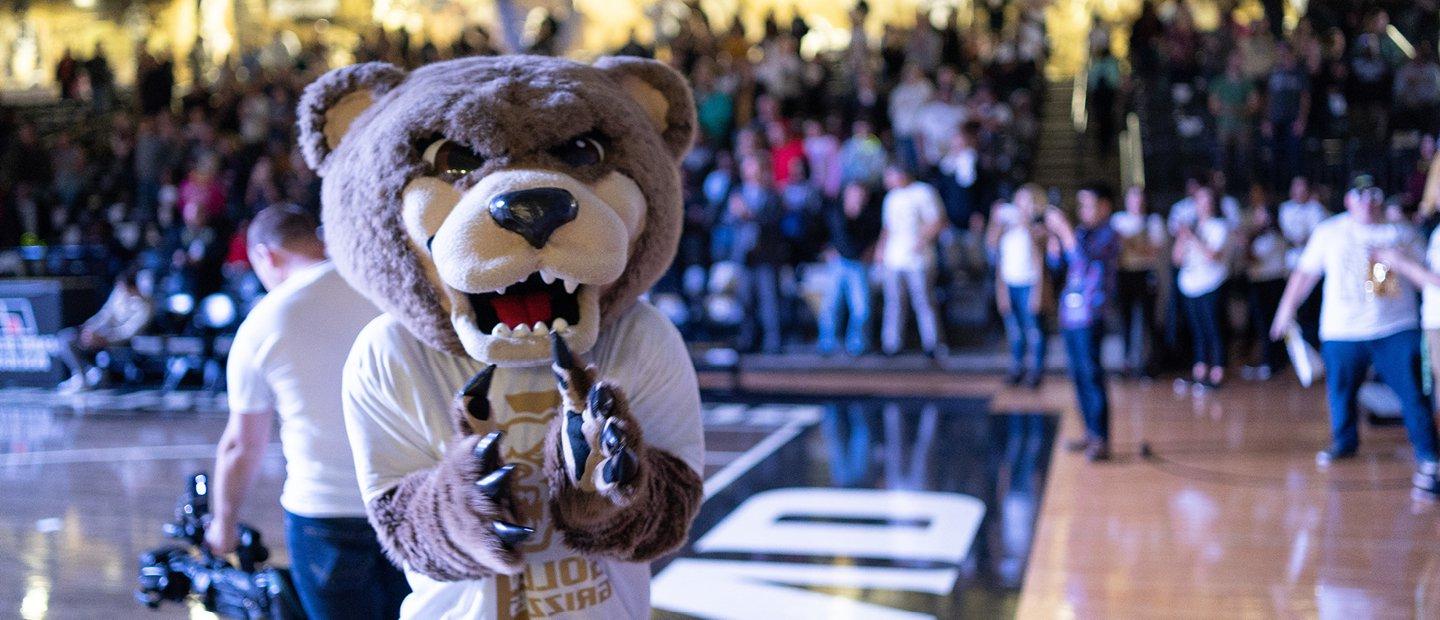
903 507
884 508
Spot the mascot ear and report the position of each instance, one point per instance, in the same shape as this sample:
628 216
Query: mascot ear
662 93
331 104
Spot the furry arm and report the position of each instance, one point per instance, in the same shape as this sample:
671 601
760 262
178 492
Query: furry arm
440 523
610 494
646 521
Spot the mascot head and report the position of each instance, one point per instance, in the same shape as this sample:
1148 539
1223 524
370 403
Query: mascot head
488 202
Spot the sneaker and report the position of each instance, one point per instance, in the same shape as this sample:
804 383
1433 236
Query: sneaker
1425 478
1014 378
1077 445
1033 380
1329 455
74 385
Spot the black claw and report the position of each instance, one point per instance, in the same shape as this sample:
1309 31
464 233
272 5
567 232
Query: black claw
487 450
495 483
612 437
600 401
620 467
477 394
561 351
511 534
579 448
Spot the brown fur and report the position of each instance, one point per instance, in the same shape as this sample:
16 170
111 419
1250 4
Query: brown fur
646 519
510 108
437 523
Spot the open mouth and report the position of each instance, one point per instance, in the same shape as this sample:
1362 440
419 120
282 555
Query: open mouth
538 305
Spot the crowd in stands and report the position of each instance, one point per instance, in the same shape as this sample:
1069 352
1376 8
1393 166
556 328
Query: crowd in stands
894 171
789 169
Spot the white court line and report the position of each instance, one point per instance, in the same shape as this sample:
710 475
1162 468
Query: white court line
752 457
110 455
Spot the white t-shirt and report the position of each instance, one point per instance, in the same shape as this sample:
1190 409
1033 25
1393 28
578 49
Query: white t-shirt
938 122
1267 257
1017 260
1141 239
287 357
1430 295
1340 250
397 408
906 211
1200 274
1183 213
1297 222
905 102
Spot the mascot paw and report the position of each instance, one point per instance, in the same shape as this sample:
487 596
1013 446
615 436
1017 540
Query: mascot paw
482 482
599 440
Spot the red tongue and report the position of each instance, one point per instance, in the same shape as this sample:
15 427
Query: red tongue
522 308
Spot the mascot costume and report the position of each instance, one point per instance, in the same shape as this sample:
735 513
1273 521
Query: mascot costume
507 213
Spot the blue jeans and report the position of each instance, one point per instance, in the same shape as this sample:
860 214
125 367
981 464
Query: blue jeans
1396 359
340 571
1082 346
852 289
1206 313
1023 329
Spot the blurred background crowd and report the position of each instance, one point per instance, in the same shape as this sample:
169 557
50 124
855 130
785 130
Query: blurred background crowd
833 199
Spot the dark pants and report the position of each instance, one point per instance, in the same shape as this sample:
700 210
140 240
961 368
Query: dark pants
1025 331
760 292
1396 359
1082 346
1205 317
1135 295
1264 300
340 571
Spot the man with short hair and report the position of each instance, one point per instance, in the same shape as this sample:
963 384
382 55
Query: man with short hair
912 218
287 359
1368 318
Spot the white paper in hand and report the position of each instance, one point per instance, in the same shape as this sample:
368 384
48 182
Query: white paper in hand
1306 360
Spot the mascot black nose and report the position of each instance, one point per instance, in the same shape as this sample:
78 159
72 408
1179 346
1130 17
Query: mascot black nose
534 213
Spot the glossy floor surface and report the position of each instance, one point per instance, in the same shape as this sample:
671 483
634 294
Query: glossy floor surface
886 495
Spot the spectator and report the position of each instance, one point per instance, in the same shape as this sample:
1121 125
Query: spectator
1087 253
1287 92
1202 254
912 219
1367 320
1265 253
906 100
854 227
1016 234
753 214
1142 240
126 312
862 157
1233 101
1417 91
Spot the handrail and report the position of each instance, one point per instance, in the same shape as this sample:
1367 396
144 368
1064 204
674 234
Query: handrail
1132 153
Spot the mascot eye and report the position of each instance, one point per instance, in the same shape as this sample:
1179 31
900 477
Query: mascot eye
449 160
585 150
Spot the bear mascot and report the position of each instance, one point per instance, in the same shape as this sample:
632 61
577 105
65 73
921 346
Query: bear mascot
507 213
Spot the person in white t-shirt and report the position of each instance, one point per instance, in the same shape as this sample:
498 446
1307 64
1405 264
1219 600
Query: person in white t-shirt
1202 252
1142 242
912 217
1015 237
1368 319
1265 269
286 361
906 99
